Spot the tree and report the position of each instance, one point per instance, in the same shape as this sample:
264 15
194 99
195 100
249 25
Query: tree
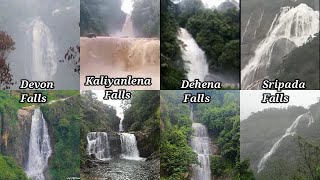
72 57
6 46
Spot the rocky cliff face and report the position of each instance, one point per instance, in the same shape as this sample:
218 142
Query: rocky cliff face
14 140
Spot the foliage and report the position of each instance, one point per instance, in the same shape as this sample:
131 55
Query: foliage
146 18
301 63
96 117
72 56
100 17
10 170
176 129
6 46
222 118
143 115
63 118
172 65
217 33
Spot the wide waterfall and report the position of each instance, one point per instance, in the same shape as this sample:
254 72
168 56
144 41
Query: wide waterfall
292 27
200 143
98 145
195 58
39 147
129 146
43 60
291 131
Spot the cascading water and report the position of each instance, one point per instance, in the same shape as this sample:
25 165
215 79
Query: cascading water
129 146
291 131
43 59
39 147
120 125
200 144
127 28
293 24
195 57
98 145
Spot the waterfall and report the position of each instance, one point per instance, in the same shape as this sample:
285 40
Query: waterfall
43 60
259 23
200 143
296 25
246 28
98 145
120 125
129 146
39 147
127 28
195 58
291 131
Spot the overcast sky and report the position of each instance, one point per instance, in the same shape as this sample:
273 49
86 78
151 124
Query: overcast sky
114 103
250 101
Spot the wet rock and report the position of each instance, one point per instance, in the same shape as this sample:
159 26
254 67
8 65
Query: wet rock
91 35
115 144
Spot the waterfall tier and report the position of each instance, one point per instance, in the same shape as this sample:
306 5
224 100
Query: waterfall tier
39 147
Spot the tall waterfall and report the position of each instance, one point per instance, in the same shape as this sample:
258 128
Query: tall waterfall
200 144
98 145
295 25
195 57
291 131
129 146
43 60
39 147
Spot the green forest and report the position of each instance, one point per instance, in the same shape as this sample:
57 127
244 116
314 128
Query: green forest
63 124
302 63
141 117
106 17
216 32
297 156
221 118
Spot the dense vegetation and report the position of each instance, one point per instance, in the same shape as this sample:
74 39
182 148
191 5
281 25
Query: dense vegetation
216 32
10 170
6 46
63 124
100 17
297 156
220 116
63 118
172 65
143 115
146 18
96 117
176 129
302 63
106 17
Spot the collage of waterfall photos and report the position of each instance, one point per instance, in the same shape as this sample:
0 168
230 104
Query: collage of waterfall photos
161 90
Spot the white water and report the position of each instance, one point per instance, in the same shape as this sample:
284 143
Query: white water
246 28
295 24
291 131
195 58
200 144
129 147
120 125
43 60
39 147
259 23
98 144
